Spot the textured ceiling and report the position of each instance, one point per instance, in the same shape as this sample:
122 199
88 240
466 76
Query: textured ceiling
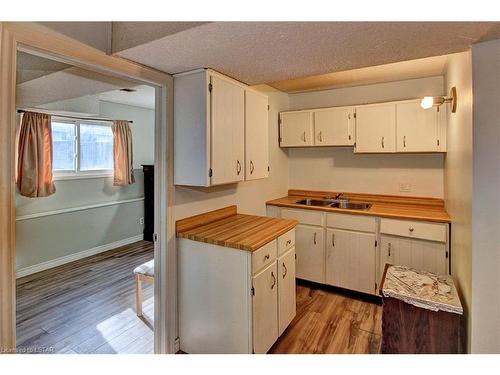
66 84
130 34
31 67
264 52
42 82
143 96
399 71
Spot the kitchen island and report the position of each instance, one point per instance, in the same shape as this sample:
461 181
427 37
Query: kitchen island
236 276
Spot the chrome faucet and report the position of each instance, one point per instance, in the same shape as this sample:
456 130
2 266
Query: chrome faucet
339 197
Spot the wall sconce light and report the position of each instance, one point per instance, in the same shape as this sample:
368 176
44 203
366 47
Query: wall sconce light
430 101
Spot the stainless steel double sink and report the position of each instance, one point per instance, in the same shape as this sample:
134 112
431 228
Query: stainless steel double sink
335 203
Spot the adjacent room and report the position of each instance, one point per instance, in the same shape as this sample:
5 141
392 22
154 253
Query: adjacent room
84 210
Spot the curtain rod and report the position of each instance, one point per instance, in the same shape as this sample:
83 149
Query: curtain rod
74 117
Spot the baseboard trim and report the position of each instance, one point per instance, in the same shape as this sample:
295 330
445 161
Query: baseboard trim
76 256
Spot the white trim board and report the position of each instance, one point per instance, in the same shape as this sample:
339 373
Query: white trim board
76 256
75 209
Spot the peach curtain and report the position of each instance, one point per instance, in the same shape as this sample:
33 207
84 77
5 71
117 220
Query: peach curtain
34 156
123 155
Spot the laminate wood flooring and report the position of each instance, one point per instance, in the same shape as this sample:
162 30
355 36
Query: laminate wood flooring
330 321
87 306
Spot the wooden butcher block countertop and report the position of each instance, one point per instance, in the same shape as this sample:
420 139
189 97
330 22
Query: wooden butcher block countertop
389 206
225 227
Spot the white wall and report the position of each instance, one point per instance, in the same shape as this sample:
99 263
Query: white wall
458 181
486 199
249 196
339 169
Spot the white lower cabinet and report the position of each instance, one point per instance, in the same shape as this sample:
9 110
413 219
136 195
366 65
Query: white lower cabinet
235 301
416 244
350 260
310 249
287 307
343 250
273 290
265 309
425 255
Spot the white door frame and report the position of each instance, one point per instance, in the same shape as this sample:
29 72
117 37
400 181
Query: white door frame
36 39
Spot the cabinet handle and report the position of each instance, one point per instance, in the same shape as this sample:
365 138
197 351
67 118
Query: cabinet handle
266 257
411 229
288 242
404 141
382 142
238 167
285 271
321 136
315 238
274 280
349 116
389 249
304 136
333 239
252 167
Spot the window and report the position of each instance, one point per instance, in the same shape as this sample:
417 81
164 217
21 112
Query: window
81 148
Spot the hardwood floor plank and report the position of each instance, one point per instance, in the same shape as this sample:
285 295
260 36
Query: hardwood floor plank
329 321
81 306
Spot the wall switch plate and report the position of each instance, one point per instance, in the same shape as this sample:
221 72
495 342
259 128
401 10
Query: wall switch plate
404 187
141 220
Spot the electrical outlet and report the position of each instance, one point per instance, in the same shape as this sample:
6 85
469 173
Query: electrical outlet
141 220
405 187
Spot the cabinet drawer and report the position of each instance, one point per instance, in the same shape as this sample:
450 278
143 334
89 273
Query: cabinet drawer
351 222
286 241
264 256
414 229
303 216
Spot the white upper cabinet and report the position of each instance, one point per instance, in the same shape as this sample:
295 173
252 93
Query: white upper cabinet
296 129
334 126
256 135
418 129
209 130
376 128
402 126
228 131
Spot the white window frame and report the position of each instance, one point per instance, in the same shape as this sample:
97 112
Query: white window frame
76 173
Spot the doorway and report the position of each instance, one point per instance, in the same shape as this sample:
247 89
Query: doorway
39 41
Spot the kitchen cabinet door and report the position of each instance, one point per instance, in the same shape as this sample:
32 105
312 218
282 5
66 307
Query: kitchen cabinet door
350 260
310 250
296 129
334 127
227 131
256 136
423 255
376 128
265 309
417 128
286 289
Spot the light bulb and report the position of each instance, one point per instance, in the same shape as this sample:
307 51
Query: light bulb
427 102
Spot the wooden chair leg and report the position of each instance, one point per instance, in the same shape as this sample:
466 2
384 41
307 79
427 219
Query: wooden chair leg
138 295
